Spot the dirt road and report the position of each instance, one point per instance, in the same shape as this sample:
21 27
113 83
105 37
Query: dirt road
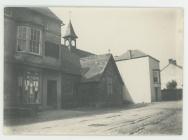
154 119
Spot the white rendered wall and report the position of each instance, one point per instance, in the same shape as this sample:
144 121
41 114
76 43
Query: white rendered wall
172 72
136 76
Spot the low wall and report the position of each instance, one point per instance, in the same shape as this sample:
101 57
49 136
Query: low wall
171 94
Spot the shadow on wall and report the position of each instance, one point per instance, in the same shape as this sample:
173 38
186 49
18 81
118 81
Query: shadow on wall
127 96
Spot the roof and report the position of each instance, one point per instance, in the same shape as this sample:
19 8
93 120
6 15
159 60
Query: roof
70 31
71 60
82 53
44 11
92 67
132 54
178 66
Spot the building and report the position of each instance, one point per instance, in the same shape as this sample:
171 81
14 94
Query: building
101 82
141 76
40 71
172 71
36 66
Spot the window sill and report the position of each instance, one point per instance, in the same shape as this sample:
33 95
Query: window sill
30 53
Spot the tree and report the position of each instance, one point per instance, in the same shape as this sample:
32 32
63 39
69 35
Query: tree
171 85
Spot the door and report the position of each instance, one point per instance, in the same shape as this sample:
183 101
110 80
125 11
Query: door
52 93
156 94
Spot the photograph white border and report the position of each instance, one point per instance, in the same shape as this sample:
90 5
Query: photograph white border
101 3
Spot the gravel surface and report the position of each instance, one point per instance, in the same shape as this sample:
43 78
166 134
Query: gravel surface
161 118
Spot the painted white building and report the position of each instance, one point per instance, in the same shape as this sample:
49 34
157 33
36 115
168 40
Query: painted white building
172 72
141 76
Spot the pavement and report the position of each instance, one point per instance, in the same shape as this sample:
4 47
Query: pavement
160 118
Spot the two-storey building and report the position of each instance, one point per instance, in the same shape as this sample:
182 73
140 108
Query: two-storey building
40 71
36 66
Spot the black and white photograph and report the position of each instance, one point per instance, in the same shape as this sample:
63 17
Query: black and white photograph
99 71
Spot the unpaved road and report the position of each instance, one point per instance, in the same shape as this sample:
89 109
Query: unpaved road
164 118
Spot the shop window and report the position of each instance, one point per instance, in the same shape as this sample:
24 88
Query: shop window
29 88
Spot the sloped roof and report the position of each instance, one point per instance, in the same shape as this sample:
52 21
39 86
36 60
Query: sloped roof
44 11
131 54
92 67
70 31
82 53
168 65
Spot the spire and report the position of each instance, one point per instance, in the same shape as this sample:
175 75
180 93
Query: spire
70 31
70 37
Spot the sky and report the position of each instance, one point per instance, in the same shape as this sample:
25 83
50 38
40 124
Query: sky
155 31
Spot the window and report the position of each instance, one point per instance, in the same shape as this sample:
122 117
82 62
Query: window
8 11
28 39
73 43
109 86
29 88
34 41
21 38
156 76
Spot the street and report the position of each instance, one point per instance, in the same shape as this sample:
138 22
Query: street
160 118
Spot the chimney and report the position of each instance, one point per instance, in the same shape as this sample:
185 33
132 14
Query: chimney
171 61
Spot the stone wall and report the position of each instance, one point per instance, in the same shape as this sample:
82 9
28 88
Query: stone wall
116 97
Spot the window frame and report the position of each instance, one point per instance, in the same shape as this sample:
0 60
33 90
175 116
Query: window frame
8 12
27 82
159 77
28 39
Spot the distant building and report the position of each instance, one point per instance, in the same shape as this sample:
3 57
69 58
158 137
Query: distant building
141 76
172 71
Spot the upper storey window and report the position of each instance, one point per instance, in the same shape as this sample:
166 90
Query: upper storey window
29 39
8 11
156 76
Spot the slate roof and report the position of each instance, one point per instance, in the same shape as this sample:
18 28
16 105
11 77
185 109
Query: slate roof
92 67
132 54
44 11
70 31
82 53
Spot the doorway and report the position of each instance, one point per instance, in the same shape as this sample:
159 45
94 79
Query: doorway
156 94
52 93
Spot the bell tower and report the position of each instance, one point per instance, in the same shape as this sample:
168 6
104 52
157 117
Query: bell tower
70 37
